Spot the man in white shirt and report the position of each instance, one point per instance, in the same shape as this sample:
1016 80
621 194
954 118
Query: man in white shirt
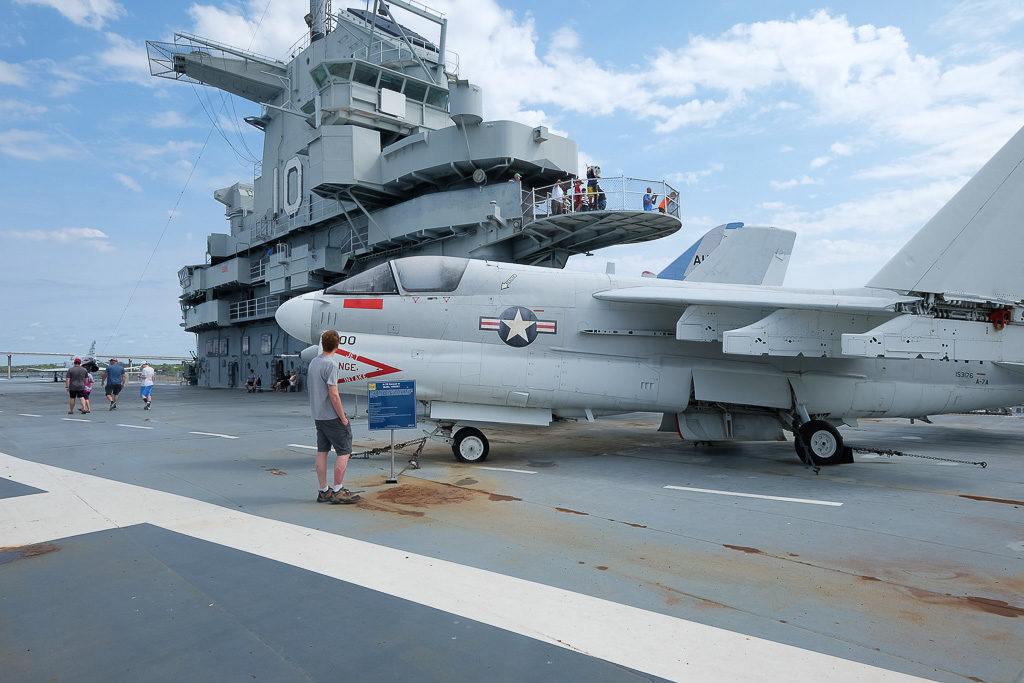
557 199
146 390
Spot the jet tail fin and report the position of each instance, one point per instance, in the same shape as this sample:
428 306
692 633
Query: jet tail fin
971 248
735 254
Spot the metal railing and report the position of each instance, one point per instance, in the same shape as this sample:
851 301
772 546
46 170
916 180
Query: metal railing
620 193
314 209
258 270
261 307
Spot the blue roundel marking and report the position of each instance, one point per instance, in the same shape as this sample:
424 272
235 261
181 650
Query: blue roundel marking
517 326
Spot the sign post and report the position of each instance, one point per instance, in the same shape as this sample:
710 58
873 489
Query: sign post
392 405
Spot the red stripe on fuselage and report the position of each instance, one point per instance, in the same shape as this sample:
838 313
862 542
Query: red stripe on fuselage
364 303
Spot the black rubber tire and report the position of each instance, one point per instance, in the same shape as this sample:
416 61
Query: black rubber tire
470 445
823 442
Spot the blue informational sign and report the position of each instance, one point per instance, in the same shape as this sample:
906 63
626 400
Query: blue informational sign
392 405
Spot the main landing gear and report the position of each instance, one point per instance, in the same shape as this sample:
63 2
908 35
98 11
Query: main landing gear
818 443
470 445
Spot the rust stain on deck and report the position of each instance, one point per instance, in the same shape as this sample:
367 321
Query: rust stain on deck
573 512
986 499
979 604
743 549
12 553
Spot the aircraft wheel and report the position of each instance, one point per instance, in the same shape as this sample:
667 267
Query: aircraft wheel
470 445
823 442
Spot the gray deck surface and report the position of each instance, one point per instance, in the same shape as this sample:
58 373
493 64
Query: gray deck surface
920 570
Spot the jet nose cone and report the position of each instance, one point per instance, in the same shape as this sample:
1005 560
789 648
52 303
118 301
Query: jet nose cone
295 317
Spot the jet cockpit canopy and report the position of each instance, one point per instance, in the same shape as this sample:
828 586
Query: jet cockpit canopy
416 273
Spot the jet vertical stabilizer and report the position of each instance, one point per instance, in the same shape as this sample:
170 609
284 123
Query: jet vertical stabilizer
971 248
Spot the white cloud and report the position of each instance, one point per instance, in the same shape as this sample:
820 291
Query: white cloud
91 237
794 182
32 145
128 182
842 149
139 151
980 19
893 211
12 74
91 13
236 25
169 119
126 60
693 177
12 109
818 162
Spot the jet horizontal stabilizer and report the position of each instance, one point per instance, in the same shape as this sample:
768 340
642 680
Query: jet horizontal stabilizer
914 336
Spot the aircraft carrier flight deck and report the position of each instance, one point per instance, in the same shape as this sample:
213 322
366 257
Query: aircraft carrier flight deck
184 543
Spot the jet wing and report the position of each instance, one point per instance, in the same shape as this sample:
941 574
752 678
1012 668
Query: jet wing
740 296
755 321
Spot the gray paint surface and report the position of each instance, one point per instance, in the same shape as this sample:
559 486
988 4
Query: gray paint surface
896 577
149 604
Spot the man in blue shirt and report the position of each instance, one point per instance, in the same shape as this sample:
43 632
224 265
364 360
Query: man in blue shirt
649 200
113 380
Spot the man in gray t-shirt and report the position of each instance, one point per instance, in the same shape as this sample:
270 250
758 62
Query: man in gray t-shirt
332 427
74 384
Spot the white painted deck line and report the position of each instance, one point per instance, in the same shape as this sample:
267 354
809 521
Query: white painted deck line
223 436
75 419
647 641
757 495
29 415
299 445
504 469
133 426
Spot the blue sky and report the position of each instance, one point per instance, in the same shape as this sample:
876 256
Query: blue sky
851 124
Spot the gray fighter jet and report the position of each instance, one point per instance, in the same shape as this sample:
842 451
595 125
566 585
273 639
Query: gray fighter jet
939 329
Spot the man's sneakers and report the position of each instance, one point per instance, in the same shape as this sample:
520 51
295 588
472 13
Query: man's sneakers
344 497
341 497
148 405
111 406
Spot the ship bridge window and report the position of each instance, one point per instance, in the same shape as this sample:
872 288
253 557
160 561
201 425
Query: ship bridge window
431 273
391 81
438 98
341 69
376 280
415 91
365 74
319 75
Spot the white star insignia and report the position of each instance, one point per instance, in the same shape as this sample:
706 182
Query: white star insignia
517 327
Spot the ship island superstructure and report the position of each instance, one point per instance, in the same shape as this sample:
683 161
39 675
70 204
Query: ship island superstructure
375 148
